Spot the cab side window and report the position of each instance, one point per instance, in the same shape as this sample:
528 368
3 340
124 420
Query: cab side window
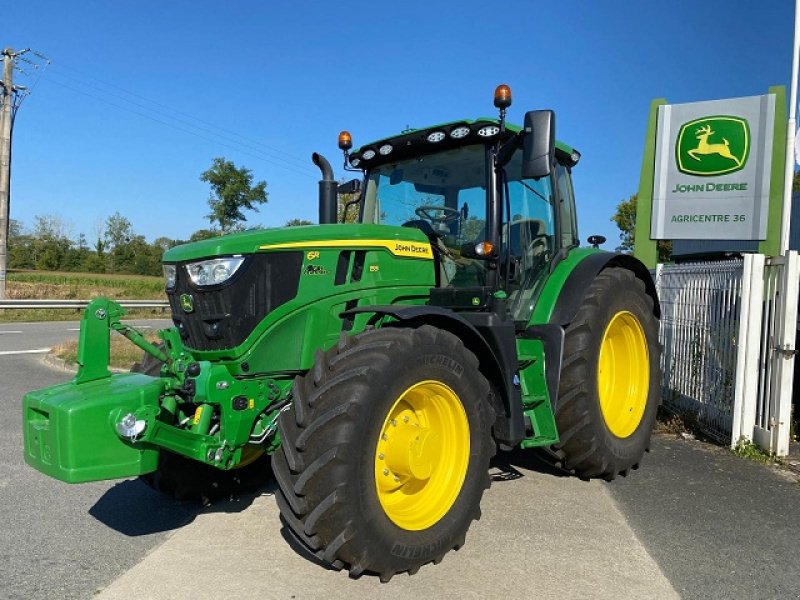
568 224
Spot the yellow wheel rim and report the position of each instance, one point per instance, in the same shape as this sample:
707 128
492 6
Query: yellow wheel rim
623 377
249 455
422 455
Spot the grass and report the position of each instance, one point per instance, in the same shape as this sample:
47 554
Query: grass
123 352
54 285
747 449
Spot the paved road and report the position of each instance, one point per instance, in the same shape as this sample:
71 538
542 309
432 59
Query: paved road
694 522
37 338
717 525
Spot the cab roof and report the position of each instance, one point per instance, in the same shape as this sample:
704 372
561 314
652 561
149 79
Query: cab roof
417 142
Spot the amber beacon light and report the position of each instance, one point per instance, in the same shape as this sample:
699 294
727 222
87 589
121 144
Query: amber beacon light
502 96
345 141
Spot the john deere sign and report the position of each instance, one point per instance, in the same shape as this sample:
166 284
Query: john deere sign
712 146
712 169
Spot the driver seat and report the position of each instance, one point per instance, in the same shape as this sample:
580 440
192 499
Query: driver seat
441 254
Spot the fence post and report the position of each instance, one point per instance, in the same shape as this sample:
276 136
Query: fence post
786 313
747 348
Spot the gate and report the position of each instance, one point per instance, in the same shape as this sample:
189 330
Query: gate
727 335
773 404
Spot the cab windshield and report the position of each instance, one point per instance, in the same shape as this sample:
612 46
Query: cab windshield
444 195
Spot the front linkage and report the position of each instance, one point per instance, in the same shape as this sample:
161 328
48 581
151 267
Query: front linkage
103 425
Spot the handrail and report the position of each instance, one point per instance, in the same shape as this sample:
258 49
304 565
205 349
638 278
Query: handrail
79 304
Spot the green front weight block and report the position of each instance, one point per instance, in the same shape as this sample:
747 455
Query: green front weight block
70 429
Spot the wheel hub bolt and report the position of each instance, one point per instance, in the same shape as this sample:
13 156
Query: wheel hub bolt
394 422
405 419
396 478
380 456
386 471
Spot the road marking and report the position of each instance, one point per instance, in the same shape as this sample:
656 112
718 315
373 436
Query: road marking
2 332
10 352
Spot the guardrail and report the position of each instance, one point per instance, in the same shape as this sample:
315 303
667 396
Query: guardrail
79 304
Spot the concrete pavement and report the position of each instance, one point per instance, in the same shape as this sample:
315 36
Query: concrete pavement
541 535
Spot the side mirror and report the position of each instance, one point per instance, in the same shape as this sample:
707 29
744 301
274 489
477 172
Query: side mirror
596 240
539 144
350 187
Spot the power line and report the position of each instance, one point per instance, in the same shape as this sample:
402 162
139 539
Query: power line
254 153
184 117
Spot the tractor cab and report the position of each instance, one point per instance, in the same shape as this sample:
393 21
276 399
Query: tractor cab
492 226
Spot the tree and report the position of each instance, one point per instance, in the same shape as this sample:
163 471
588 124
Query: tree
14 229
49 242
50 227
119 231
625 218
232 192
351 216
164 243
202 234
297 222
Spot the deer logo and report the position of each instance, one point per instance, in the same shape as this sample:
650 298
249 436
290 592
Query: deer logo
713 146
703 147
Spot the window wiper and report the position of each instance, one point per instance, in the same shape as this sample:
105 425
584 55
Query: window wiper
538 193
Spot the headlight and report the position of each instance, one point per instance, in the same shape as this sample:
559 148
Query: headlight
488 131
435 136
214 271
169 276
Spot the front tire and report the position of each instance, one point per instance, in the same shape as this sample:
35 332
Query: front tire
385 451
609 391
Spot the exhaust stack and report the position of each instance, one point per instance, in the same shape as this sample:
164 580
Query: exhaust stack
327 190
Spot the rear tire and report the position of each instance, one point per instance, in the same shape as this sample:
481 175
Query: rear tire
385 451
187 479
610 379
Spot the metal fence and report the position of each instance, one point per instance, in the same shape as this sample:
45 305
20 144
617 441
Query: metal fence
728 334
700 308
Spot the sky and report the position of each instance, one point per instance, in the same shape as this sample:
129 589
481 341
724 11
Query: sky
141 96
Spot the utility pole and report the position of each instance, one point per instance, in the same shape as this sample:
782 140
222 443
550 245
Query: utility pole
10 98
5 161
9 103
791 132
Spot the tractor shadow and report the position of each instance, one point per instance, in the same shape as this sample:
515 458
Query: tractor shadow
506 465
133 509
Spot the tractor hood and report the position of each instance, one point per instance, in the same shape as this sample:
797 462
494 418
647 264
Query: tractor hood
303 237
292 272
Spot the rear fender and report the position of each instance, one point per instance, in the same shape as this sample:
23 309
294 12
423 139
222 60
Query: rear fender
566 287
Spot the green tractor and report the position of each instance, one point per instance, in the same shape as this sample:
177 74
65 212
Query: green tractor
378 364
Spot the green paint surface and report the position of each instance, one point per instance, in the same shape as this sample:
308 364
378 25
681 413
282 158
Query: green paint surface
772 245
552 286
645 248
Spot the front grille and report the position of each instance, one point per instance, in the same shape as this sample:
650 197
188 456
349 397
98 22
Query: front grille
224 315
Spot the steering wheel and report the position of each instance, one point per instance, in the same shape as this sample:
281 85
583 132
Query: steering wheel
448 214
